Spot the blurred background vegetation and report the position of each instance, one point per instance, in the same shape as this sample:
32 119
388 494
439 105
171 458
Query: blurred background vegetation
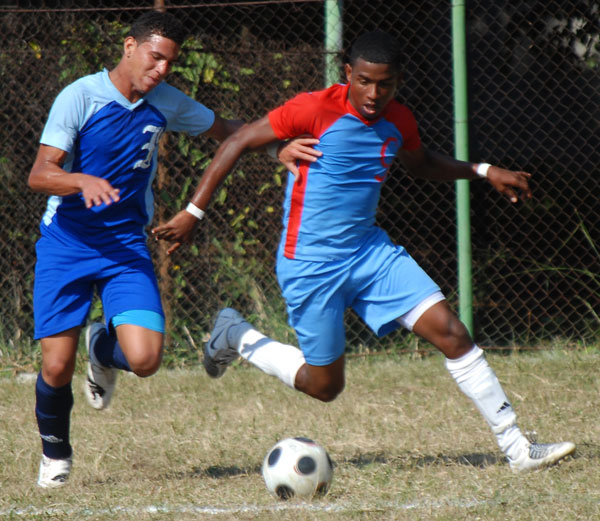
533 84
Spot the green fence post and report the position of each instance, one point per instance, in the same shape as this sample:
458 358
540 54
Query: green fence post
333 40
461 137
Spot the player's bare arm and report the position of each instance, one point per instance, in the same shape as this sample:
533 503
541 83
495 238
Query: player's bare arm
288 152
223 128
181 227
47 176
426 164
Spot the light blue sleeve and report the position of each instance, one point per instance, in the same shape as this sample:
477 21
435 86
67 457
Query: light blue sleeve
183 113
65 119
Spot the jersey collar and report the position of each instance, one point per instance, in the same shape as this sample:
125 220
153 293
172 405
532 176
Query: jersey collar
117 95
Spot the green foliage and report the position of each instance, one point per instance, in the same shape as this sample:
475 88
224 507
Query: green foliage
552 273
200 68
579 35
88 47
237 269
18 355
585 276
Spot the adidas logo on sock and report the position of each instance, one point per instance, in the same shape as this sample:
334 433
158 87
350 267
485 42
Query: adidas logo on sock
503 407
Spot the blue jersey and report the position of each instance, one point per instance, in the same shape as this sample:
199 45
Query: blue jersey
106 135
330 212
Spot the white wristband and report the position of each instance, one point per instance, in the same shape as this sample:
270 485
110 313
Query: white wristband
272 149
482 169
195 211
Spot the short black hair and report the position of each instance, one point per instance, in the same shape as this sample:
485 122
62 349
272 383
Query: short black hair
377 47
157 23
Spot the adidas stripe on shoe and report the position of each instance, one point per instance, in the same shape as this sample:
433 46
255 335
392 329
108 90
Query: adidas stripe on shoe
535 456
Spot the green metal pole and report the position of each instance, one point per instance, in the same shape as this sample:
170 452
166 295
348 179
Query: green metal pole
333 41
461 133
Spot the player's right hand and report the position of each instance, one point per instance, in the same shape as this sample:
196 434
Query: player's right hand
180 229
97 191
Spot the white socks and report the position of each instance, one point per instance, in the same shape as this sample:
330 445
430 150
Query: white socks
271 357
478 381
474 377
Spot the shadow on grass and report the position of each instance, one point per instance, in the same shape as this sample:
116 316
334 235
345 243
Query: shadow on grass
214 471
586 450
412 461
362 460
407 461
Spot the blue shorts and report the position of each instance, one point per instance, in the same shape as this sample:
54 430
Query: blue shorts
381 282
67 273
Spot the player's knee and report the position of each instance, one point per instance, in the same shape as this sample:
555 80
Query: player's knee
145 369
57 371
328 391
442 327
457 340
324 383
146 363
328 395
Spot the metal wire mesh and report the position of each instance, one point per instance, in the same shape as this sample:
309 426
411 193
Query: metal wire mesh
533 71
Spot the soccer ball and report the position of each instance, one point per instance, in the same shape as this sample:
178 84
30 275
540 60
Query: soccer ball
297 467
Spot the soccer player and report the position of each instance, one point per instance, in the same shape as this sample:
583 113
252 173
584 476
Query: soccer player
332 255
97 160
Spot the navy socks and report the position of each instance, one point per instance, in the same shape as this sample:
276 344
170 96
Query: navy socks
109 353
53 412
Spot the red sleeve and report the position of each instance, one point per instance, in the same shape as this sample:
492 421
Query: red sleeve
295 117
401 116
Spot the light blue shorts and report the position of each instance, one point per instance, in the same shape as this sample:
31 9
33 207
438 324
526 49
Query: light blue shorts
380 282
66 276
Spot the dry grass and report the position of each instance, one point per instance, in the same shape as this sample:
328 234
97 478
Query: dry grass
406 445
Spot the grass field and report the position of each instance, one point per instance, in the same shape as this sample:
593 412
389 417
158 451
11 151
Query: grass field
405 442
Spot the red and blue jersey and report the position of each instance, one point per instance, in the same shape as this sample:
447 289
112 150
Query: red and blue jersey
330 211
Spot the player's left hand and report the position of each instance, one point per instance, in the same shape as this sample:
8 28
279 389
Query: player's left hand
179 230
510 183
300 148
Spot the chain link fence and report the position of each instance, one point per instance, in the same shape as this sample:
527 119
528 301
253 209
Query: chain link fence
534 104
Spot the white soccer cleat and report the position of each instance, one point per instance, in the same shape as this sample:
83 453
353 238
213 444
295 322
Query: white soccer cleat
100 382
54 472
220 350
535 456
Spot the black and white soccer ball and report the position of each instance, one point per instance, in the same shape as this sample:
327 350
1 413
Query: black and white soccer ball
297 467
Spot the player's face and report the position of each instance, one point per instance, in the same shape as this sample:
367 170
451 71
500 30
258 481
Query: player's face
372 86
149 61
